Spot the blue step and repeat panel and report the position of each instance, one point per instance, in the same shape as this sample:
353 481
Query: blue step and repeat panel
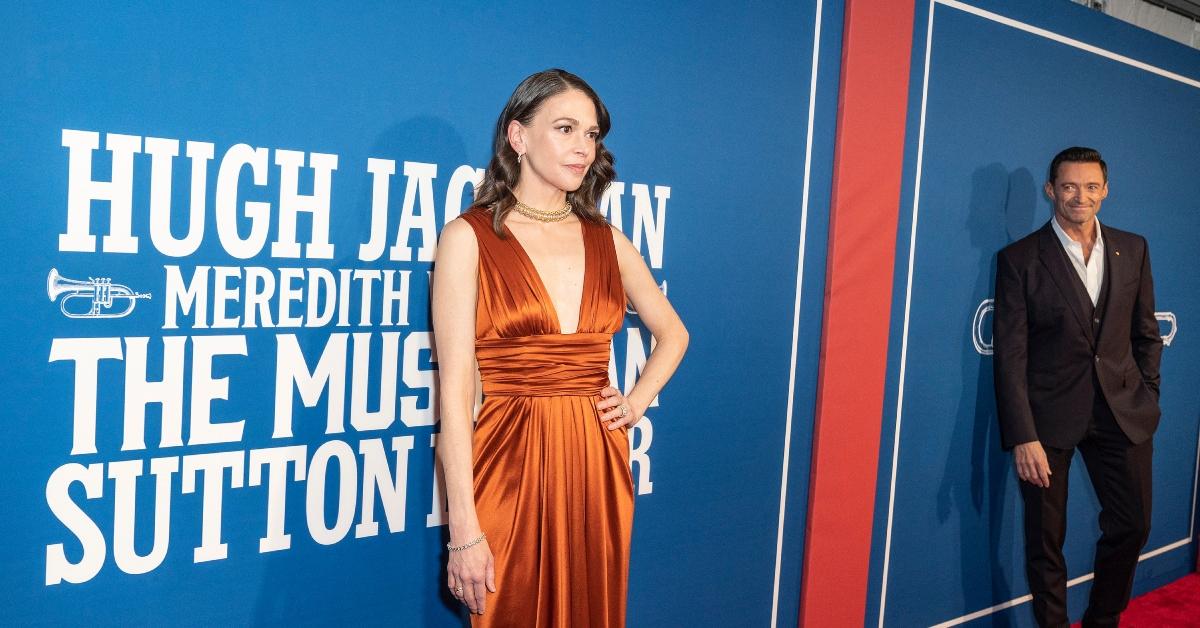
998 89
219 375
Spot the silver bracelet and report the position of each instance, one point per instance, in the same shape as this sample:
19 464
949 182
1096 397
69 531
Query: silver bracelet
459 548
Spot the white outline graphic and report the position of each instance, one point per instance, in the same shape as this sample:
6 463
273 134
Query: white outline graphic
101 292
1074 43
1168 317
982 346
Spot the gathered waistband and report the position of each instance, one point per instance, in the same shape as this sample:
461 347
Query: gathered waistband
545 365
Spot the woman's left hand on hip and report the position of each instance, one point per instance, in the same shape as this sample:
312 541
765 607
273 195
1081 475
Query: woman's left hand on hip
616 410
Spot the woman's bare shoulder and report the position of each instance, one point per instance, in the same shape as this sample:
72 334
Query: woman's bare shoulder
622 244
458 237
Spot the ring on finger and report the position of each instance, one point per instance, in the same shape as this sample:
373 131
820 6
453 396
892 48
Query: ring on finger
624 410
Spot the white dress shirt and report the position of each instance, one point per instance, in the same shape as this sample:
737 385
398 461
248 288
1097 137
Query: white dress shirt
1091 272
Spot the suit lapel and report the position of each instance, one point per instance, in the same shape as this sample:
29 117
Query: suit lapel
1114 269
1054 258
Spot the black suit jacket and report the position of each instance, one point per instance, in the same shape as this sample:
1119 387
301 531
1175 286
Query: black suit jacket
1050 354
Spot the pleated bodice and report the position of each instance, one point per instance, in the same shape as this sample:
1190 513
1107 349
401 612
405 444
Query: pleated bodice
517 330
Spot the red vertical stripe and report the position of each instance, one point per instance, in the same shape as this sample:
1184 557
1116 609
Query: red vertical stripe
872 104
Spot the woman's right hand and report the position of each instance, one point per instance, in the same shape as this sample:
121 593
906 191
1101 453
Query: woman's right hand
474 570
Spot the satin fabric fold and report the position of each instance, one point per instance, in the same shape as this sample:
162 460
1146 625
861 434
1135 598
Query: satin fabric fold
544 366
553 490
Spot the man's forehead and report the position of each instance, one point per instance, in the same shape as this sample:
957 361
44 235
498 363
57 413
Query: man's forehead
1076 171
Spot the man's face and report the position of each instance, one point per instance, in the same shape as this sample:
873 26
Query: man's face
1077 192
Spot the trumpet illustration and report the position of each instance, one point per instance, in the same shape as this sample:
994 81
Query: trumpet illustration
101 292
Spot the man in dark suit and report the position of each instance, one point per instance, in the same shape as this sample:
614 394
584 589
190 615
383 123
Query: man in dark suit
1077 352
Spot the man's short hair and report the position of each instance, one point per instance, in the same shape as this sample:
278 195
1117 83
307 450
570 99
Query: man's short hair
1076 154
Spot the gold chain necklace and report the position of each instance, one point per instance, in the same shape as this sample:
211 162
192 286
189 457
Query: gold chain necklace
541 215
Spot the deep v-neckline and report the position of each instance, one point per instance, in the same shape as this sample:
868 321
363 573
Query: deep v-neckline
540 285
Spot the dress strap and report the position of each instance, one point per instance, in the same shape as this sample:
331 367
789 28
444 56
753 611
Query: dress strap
604 303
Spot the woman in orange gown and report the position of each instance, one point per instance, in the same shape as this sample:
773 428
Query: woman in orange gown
529 287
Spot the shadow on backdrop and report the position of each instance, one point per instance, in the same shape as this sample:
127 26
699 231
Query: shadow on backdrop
976 480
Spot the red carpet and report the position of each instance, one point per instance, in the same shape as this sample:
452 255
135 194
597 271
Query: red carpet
1177 604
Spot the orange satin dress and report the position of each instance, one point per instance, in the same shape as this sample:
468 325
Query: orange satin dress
553 488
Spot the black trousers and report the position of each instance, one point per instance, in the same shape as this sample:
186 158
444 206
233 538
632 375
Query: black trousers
1120 472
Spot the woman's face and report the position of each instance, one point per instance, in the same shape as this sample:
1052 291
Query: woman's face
559 144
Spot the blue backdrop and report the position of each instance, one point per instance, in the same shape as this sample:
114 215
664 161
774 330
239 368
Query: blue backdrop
1005 87
711 107
724 140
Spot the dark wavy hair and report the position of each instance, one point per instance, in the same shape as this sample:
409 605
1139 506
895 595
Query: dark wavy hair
496 189
1076 154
